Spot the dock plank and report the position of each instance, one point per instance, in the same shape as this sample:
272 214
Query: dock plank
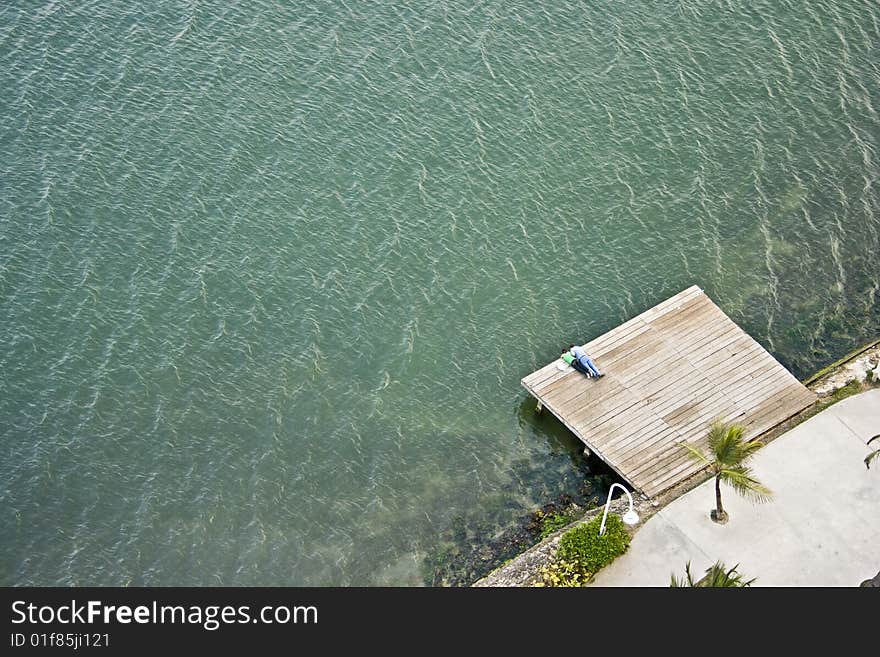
669 372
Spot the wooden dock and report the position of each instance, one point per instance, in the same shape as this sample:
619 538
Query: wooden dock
668 373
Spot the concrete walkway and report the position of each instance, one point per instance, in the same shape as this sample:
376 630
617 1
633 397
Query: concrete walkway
822 527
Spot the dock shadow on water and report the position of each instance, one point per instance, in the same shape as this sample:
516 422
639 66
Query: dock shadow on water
478 541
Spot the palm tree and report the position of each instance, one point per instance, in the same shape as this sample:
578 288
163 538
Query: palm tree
716 576
873 455
728 453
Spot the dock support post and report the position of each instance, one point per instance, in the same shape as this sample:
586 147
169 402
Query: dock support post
539 407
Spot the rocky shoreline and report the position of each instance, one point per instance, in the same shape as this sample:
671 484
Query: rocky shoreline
523 570
859 365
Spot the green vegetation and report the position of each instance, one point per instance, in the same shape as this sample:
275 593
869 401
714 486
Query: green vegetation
854 387
825 370
582 552
728 453
717 576
550 522
583 545
873 455
559 513
561 573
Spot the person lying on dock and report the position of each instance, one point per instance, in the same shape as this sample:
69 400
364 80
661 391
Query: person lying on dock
585 360
571 360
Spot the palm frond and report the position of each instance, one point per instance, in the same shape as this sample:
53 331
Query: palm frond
717 431
748 449
718 577
722 442
687 581
873 455
727 444
741 480
696 454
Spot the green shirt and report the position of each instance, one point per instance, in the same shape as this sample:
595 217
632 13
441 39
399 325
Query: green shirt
567 357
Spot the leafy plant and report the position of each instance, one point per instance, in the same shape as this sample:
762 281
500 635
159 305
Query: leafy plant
853 387
728 453
717 576
583 546
582 553
873 455
561 573
553 521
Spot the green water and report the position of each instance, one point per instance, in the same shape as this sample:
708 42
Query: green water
271 272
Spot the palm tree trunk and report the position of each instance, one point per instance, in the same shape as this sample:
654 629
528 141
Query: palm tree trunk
719 510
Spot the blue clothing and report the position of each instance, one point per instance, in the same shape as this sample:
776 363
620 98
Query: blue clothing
590 365
576 364
586 361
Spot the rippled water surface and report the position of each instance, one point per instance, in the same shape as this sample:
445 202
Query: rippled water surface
271 272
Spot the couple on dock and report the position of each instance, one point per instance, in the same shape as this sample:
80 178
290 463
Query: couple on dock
578 359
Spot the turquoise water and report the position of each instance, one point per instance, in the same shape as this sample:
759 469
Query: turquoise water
270 273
